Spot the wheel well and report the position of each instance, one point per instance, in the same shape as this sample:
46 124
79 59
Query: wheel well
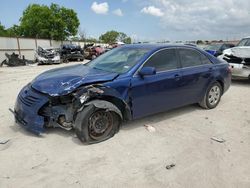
121 105
221 84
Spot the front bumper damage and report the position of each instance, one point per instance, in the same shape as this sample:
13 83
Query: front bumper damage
239 60
43 61
26 109
35 111
240 70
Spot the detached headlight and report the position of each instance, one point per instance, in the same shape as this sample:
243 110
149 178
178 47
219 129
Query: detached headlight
83 98
81 95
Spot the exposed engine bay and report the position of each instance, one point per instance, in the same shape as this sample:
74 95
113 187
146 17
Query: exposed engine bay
47 56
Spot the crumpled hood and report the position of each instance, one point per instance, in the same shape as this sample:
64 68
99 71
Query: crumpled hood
241 51
62 81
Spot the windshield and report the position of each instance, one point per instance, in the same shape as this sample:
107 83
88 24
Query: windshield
118 60
214 47
244 42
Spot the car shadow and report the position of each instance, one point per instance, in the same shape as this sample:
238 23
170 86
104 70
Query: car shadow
241 82
126 126
159 117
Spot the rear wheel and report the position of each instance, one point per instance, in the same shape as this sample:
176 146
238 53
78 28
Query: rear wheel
212 96
95 125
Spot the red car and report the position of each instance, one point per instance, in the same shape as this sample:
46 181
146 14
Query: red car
93 52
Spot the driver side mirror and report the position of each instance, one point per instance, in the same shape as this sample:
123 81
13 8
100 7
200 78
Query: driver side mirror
146 71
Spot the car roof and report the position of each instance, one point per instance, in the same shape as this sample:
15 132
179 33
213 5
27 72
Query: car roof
157 46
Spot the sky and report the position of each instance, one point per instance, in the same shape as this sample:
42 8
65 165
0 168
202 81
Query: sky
150 20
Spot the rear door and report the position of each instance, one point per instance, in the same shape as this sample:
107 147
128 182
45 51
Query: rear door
196 74
159 92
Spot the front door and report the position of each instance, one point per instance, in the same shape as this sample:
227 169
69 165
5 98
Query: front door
159 92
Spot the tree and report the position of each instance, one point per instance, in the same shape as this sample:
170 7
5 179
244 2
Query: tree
14 31
3 31
109 37
114 36
52 22
122 37
199 42
127 40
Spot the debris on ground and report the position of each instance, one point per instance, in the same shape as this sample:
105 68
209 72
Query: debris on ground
168 167
13 60
4 141
220 140
150 128
34 167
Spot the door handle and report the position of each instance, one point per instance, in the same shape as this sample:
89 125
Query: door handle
211 69
177 77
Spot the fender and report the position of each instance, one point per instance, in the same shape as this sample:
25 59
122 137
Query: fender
102 104
99 92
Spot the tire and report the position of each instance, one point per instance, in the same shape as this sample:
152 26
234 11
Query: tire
90 123
212 96
65 60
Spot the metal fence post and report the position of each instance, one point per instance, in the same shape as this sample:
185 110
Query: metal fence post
18 46
36 43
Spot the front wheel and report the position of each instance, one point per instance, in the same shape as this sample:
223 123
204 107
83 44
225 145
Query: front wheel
212 96
95 125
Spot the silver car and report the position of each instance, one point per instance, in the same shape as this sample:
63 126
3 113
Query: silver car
239 59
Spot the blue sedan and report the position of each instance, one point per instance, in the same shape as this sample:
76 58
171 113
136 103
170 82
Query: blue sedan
126 83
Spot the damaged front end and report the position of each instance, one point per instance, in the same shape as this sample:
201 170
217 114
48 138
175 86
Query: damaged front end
47 56
239 60
36 111
27 106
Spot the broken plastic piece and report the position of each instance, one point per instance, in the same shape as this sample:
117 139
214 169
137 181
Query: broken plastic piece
168 167
4 141
150 128
220 140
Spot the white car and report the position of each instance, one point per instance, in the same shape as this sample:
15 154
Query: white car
47 56
239 58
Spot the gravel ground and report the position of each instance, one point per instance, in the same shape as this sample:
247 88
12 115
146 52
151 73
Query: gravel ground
135 157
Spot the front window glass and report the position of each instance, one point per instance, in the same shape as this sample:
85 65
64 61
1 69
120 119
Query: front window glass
244 42
163 60
119 60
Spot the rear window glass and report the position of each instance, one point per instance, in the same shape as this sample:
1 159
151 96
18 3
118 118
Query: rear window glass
190 58
204 59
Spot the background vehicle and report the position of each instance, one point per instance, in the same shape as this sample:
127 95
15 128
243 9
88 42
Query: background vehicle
71 52
47 56
14 60
217 49
239 58
125 83
92 52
